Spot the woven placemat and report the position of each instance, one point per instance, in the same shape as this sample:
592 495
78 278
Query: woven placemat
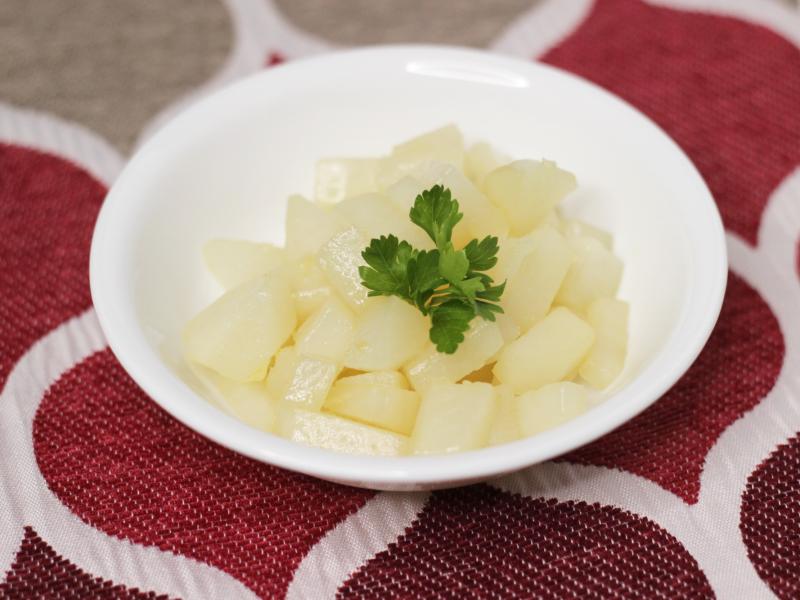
102 494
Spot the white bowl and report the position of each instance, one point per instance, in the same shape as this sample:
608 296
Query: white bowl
225 167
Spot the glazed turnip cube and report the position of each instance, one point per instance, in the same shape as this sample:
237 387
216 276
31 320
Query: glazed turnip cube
339 178
609 318
454 418
300 381
530 290
337 433
339 258
328 333
383 406
232 262
309 226
527 190
239 333
390 378
505 427
388 332
595 273
550 406
547 353
481 342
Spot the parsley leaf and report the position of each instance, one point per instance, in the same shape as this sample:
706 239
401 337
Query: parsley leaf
449 323
453 264
437 213
482 255
449 285
388 260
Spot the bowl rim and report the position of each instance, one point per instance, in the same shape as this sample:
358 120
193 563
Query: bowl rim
127 340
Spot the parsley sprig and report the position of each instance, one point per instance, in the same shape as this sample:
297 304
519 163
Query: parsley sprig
450 285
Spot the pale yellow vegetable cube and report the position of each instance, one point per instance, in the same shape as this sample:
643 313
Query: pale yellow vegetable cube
505 427
390 378
445 144
232 262
481 217
575 228
310 287
480 160
609 318
328 333
595 273
375 215
309 226
388 332
508 328
380 405
454 418
403 193
248 402
551 406
240 332
481 342
339 434
531 289
340 178
547 353
300 381
527 190
339 258
511 252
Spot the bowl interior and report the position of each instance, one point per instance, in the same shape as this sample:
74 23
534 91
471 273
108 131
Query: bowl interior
226 167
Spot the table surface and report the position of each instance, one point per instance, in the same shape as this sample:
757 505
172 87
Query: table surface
104 495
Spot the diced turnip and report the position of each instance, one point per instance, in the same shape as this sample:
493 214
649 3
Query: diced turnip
375 215
340 178
609 318
530 290
240 332
383 406
527 190
481 217
339 434
550 406
232 262
547 353
454 418
575 228
248 402
388 332
444 144
481 342
390 378
595 273
505 427
403 193
328 333
339 258
300 381
508 328
480 160
309 226
310 287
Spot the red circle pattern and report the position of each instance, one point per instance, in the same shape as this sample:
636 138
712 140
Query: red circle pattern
126 467
770 520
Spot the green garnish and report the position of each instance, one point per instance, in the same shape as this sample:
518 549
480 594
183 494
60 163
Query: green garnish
449 285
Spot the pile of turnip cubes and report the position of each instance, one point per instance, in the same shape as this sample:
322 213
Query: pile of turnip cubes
295 347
